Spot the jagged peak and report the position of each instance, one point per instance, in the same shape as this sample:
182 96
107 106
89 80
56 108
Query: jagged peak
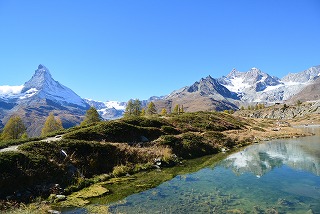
40 78
42 71
233 73
255 70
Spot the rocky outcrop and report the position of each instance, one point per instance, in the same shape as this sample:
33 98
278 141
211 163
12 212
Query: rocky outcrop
283 111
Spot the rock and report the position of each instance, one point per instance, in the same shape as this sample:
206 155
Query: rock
158 161
54 212
144 139
60 198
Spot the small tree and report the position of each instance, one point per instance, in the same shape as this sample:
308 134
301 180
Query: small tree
143 112
151 110
92 116
137 107
133 108
13 129
176 109
129 108
164 112
51 125
181 110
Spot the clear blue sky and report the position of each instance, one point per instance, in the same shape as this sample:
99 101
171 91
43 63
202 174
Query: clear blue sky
117 50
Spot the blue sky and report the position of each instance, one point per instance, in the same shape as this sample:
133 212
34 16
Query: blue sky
117 50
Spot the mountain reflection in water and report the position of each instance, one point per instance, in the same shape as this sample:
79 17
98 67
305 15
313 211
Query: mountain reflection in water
262 158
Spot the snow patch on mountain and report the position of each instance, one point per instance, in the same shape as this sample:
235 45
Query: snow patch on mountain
29 93
115 104
237 85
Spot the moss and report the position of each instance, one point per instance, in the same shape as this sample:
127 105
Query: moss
81 199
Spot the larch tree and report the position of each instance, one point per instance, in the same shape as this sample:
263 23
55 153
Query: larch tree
176 109
164 112
14 129
181 110
129 108
92 116
151 109
52 124
143 112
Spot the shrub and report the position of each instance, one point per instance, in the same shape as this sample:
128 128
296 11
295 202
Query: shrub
169 130
115 131
120 170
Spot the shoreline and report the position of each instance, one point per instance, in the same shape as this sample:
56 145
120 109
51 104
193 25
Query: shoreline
256 135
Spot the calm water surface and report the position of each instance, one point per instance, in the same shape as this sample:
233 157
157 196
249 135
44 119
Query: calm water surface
281 176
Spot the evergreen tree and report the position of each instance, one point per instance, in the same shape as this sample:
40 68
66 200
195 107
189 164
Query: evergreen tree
133 108
13 129
51 125
137 107
129 108
151 110
164 112
92 116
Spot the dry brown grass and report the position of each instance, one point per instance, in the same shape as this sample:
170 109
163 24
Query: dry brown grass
270 129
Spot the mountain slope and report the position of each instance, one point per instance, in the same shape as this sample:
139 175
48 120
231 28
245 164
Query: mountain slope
309 93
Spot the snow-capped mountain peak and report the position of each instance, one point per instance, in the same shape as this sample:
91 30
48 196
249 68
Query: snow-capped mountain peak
41 80
43 86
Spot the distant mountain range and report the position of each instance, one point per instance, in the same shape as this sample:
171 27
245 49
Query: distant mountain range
242 89
34 100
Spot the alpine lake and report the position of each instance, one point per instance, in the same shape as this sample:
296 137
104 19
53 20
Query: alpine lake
279 176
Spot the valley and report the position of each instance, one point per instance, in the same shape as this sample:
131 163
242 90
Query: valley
73 167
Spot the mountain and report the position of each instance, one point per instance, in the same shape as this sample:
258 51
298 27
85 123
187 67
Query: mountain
252 80
256 86
304 76
35 99
241 89
206 94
